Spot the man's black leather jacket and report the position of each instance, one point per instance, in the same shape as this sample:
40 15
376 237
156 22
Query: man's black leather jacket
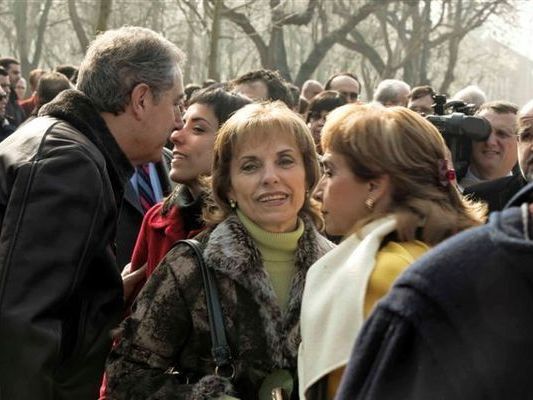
61 181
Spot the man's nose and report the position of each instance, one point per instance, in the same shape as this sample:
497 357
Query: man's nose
178 120
492 139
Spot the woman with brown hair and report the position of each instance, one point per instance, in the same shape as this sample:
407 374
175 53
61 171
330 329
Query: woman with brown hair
261 242
389 190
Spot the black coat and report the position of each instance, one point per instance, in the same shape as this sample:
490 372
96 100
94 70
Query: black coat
61 181
498 192
457 324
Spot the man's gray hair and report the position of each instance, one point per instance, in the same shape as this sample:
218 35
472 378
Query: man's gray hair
471 95
389 90
119 59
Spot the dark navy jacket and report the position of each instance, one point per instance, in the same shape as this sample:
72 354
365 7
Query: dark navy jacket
458 324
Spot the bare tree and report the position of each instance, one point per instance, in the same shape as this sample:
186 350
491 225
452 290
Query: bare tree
27 39
411 30
272 50
100 25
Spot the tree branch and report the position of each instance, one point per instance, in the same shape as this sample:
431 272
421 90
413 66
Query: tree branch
78 28
327 42
302 18
246 26
40 34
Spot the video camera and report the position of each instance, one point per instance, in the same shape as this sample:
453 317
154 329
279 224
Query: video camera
458 127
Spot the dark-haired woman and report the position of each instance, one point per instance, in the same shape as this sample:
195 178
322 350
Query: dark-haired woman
179 216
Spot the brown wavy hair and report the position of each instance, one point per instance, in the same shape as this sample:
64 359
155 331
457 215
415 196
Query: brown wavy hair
259 120
401 144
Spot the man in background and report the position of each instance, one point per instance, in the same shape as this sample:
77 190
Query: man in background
347 84
12 66
263 84
310 89
421 100
6 127
495 157
392 92
497 193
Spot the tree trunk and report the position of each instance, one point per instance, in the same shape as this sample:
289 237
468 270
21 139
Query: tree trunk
213 71
278 53
77 25
21 12
23 42
453 48
318 53
103 16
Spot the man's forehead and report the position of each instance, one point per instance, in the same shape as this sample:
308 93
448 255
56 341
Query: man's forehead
344 81
493 115
13 67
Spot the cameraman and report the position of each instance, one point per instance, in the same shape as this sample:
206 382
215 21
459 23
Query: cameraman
495 157
497 193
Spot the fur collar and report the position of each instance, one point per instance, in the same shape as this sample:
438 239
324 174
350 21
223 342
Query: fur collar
76 108
231 251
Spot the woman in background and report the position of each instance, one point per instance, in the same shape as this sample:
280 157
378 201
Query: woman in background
388 189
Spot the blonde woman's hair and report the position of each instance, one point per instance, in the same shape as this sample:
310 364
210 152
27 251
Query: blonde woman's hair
401 144
262 122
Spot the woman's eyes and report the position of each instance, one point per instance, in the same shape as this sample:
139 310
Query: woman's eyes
249 167
286 161
199 129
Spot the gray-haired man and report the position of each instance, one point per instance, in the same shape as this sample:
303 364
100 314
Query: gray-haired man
62 178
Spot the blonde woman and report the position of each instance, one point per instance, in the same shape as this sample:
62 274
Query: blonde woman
260 246
389 190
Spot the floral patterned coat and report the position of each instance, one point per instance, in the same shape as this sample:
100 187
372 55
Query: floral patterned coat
169 326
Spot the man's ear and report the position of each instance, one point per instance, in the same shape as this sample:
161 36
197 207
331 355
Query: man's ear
138 100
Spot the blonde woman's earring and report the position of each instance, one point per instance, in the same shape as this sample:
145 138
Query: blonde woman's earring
232 204
369 203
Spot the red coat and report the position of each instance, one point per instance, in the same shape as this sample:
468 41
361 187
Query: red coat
156 237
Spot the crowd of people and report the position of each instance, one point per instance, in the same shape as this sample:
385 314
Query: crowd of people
250 240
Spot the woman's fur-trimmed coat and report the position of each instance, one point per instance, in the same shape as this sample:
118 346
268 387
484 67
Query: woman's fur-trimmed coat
170 328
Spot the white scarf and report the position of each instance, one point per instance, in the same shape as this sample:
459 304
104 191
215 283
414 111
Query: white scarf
333 301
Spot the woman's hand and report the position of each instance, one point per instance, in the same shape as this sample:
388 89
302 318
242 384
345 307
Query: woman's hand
131 279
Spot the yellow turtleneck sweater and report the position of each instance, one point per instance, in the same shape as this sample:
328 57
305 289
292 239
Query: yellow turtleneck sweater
278 253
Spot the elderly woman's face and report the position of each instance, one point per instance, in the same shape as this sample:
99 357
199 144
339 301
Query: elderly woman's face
268 182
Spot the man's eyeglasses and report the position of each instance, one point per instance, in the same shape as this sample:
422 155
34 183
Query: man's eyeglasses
350 95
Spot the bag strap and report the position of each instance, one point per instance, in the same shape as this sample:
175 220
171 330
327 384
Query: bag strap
220 349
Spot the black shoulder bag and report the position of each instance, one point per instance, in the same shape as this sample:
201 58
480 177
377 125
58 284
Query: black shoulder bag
220 349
